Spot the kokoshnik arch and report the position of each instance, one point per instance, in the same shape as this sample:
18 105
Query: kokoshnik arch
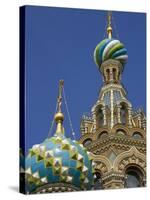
111 152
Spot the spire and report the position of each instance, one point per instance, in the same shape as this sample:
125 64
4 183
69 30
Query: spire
59 117
109 28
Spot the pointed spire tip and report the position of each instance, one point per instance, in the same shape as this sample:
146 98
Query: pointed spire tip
109 25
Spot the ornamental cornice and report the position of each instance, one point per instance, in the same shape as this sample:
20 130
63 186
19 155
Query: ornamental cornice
103 145
120 140
111 175
113 86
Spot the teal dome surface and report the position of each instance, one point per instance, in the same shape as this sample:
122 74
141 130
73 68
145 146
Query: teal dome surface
58 160
110 49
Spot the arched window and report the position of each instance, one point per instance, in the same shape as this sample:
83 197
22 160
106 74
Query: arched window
97 181
114 74
137 135
103 135
123 114
133 178
121 132
107 75
100 118
87 142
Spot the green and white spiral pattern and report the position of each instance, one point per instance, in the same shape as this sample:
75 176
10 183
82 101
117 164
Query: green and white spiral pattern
110 49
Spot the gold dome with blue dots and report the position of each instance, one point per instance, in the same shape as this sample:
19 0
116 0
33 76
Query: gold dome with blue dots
58 163
110 48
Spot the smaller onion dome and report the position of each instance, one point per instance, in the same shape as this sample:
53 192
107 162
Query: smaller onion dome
58 160
110 49
59 163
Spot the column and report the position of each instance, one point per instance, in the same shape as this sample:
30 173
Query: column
104 116
144 124
111 74
111 109
94 121
106 75
129 116
139 120
119 114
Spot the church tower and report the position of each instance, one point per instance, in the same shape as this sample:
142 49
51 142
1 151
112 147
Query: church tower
114 133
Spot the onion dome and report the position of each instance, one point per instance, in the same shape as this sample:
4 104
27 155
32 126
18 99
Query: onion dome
58 160
110 48
59 163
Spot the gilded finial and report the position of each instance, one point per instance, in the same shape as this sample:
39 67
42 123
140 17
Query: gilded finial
59 117
109 27
59 101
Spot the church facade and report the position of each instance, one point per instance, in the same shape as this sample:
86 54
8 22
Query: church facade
114 133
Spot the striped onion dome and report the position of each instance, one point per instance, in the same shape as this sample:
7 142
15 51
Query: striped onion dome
110 49
58 160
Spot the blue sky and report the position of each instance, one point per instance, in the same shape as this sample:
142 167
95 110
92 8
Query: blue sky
59 45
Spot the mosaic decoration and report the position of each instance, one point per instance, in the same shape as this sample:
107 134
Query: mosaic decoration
58 160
